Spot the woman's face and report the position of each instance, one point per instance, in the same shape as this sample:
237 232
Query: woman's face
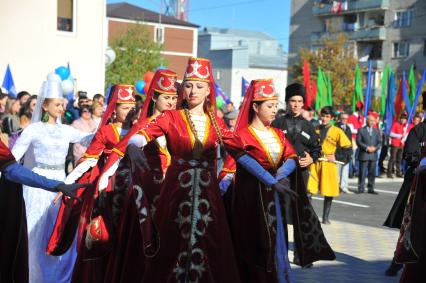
165 102
196 92
33 105
97 111
123 110
16 106
3 101
54 107
266 111
86 114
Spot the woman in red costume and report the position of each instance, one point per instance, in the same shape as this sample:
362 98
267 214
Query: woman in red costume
135 237
73 214
254 210
195 244
411 245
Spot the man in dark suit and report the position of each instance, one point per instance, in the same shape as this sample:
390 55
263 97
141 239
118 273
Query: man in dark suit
368 141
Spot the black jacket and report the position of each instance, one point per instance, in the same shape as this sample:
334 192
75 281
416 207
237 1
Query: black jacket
344 154
301 135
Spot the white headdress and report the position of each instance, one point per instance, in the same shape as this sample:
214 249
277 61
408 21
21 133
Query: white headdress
49 89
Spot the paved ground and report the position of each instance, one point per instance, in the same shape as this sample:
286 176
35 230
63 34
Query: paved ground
362 245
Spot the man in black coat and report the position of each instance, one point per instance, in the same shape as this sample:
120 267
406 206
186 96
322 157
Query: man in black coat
368 141
299 131
302 136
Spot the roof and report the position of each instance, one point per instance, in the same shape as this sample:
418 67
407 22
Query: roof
269 62
128 11
237 32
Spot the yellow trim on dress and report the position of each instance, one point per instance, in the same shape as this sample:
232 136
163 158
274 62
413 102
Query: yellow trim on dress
85 155
188 128
142 132
119 152
117 135
226 170
166 153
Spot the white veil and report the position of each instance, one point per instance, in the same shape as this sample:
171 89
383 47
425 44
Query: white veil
49 89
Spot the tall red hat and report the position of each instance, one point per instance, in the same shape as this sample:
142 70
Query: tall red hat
119 93
164 82
258 90
125 93
200 69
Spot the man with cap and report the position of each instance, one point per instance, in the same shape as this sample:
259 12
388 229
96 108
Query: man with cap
397 132
301 134
299 131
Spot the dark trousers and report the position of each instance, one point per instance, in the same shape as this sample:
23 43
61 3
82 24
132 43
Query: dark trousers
383 154
364 167
395 160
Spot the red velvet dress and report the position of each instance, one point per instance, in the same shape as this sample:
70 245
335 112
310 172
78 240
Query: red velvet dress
253 216
195 244
411 245
13 223
136 236
73 214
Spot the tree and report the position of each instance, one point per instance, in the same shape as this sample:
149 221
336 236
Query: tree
333 57
136 53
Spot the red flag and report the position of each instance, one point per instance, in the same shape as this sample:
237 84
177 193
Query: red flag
398 101
314 90
307 83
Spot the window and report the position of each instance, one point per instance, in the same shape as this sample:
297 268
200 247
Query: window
159 34
403 18
65 15
401 49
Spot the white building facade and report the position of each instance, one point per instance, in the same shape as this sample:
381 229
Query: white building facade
38 36
238 54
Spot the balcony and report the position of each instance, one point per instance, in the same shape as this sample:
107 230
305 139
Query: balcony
367 34
353 6
375 64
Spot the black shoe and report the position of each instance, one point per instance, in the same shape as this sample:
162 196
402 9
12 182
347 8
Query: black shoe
373 192
326 221
310 265
359 192
393 269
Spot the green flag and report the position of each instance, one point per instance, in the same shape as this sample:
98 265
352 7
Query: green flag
329 91
384 86
357 96
412 84
322 91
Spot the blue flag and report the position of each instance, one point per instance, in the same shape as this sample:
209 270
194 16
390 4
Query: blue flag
244 86
390 110
221 93
368 91
8 83
405 93
416 99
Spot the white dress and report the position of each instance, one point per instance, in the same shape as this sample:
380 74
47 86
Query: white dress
49 145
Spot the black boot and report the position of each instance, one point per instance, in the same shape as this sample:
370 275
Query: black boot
326 210
393 269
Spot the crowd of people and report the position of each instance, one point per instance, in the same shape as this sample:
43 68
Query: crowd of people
173 189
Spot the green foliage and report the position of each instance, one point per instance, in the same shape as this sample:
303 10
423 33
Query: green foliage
136 53
333 57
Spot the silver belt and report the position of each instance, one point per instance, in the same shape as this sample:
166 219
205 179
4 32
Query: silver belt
50 167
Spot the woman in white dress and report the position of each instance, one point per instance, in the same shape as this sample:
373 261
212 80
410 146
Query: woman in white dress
47 140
